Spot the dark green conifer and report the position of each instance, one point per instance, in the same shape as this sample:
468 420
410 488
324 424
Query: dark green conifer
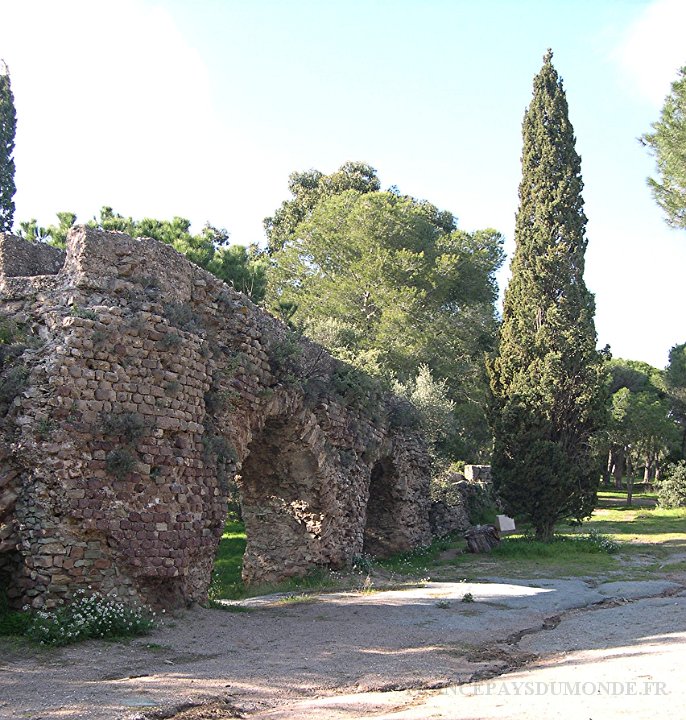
547 377
8 127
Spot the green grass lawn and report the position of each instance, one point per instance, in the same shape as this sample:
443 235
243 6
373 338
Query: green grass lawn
618 498
643 525
226 578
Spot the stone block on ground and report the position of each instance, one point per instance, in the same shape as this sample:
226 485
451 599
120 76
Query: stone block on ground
482 538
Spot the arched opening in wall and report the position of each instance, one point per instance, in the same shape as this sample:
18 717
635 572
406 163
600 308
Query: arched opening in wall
282 502
382 509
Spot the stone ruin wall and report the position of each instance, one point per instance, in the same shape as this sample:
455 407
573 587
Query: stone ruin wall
134 387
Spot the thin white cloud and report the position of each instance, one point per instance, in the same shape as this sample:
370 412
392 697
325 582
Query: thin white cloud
653 49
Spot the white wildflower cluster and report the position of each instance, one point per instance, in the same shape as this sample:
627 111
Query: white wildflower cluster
599 542
90 615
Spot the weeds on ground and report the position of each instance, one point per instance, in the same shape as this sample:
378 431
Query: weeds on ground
418 561
226 607
88 615
297 598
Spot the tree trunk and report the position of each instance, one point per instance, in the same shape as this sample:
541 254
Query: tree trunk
629 480
650 471
607 470
618 469
629 489
544 531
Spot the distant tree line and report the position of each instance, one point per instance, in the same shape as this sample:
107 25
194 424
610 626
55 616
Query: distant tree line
646 427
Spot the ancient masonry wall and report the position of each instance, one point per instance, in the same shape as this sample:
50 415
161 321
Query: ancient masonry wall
135 387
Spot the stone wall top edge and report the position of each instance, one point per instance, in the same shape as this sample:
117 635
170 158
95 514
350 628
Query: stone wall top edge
91 252
21 258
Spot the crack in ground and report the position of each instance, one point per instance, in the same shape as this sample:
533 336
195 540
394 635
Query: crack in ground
515 660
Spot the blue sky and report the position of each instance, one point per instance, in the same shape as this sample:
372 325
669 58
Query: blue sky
202 109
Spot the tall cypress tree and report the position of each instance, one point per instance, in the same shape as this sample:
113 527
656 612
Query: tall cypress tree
8 127
547 377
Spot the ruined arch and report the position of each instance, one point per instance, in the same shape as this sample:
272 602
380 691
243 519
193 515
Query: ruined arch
286 503
382 508
216 387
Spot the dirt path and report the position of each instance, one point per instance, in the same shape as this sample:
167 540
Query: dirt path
623 660
405 653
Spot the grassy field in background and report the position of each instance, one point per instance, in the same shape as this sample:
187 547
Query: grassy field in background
226 578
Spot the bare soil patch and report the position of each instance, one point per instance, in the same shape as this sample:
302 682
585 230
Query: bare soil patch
388 651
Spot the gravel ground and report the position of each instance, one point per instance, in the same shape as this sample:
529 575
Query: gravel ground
414 653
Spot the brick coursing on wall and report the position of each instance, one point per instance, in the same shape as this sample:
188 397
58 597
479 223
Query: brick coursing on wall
136 389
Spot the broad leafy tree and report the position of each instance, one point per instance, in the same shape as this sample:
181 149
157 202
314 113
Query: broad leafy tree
8 128
243 267
308 188
389 284
668 144
547 376
642 432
